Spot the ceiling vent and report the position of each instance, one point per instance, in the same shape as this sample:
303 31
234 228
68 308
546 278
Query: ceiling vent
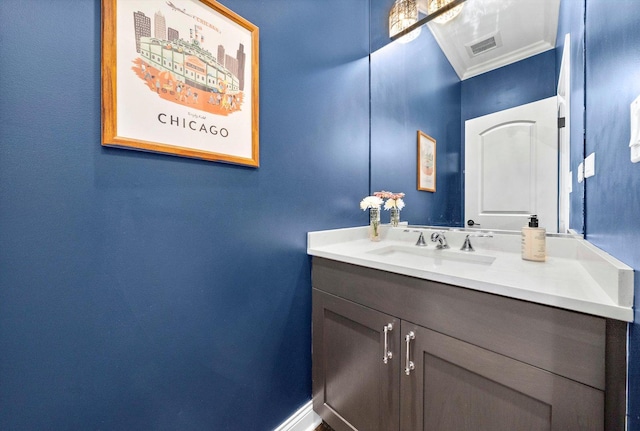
484 44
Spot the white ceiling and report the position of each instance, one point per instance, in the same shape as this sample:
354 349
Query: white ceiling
524 27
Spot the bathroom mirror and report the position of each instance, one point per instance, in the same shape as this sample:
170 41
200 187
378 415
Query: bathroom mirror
415 88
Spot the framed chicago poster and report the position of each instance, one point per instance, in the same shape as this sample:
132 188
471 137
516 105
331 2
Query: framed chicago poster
180 77
426 162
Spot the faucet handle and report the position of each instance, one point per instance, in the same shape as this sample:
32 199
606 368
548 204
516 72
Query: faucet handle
467 242
467 245
421 242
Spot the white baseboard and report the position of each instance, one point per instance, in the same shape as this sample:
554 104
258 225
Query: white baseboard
305 419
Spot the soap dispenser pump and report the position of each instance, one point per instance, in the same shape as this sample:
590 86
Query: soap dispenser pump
534 245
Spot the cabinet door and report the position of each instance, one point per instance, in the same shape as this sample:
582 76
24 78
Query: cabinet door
456 386
353 388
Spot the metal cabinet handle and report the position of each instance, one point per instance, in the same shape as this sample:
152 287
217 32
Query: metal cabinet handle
387 353
410 366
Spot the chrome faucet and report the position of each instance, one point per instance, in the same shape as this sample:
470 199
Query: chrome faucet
467 242
440 239
421 242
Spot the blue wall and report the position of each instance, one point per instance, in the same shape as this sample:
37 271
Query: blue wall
613 194
525 81
142 291
413 87
379 23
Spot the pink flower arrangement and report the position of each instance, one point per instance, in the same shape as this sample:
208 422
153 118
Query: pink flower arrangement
393 200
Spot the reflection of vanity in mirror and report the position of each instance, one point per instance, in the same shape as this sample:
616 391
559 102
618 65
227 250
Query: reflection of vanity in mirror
493 56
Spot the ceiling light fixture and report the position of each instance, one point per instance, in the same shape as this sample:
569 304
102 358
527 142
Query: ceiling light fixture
436 5
404 14
402 25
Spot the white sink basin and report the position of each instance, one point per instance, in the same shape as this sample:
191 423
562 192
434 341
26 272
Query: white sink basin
431 256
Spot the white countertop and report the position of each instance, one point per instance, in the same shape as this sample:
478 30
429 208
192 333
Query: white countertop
576 275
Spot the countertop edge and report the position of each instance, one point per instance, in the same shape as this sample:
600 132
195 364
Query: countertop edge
610 311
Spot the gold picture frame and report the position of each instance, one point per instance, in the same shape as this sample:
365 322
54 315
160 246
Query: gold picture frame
426 162
180 77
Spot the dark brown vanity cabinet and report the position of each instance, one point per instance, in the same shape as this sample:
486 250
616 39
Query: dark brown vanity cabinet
356 384
392 352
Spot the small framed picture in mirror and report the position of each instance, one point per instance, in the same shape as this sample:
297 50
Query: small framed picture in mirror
426 162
